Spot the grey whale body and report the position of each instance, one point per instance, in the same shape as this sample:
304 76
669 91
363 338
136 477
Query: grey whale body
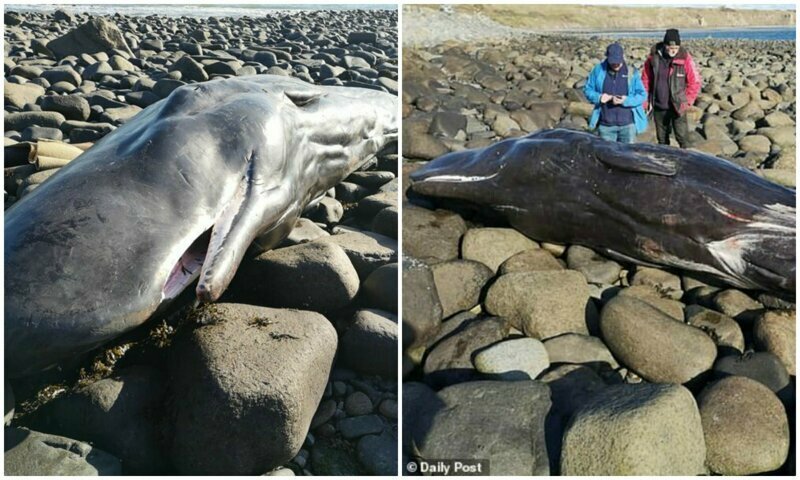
178 193
648 204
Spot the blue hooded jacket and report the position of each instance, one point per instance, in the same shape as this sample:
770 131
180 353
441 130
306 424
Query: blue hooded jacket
637 95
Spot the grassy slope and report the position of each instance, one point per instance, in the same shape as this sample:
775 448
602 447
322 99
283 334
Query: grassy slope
603 17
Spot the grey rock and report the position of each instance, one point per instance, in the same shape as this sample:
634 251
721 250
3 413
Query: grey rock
459 284
493 246
357 404
763 367
431 234
644 429
22 120
310 276
745 426
775 332
96 35
115 414
386 222
33 453
543 304
462 422
513 359
580 349
449 361
378 453
593 266
533 260
73 107
654 345
304 231
355 427
667 284
422 310
366 250
268 366
369 345
190 69
19 95
725 332
380 288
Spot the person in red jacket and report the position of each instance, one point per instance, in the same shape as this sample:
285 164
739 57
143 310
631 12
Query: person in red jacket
672 83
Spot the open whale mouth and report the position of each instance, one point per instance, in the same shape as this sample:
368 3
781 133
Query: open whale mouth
187 268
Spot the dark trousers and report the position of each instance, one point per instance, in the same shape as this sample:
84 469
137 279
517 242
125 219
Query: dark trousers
667 121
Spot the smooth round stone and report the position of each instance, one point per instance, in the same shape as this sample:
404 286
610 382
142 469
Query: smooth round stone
357 403
517 359
776 332
544 304
459 284
737 305
647 294
665 283
745 426
572 386
644 429
653 344
431 234
493 246
533 260
724 330
388 408
595 267
763 367
380 288
577 348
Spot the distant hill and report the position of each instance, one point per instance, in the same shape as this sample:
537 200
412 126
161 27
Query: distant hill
603 17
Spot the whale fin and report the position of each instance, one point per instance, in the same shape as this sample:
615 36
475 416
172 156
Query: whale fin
636 160
302 98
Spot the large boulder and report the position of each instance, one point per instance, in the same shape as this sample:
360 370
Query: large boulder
252 376
116 414
369 345
431 234
33 453
502 422
493 246
745 427
775 332
644 429
544 303
17 95
459 284
653 344
366 250
310 276
96 35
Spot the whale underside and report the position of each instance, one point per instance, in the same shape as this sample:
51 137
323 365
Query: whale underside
174 196
642 203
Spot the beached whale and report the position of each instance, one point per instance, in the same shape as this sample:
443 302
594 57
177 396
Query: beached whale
177 193
642 203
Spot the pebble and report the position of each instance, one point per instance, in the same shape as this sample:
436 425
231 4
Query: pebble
355 427
357 403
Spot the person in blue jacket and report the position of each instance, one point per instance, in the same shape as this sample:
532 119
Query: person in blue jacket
617 92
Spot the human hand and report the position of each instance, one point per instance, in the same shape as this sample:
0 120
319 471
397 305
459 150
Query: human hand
605 97
618 100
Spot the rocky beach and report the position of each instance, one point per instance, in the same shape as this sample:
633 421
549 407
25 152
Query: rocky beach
294 371
553 359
